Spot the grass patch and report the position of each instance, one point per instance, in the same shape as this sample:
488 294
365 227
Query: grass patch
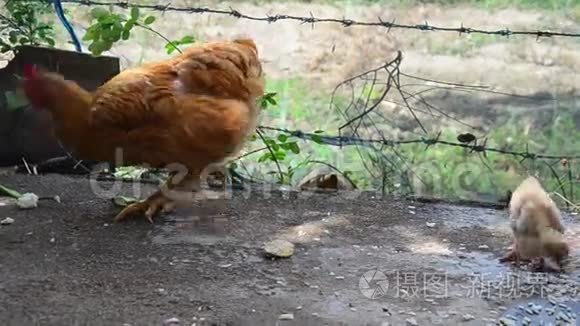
439 171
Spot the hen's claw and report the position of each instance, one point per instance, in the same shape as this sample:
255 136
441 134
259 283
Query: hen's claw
511 256
148 208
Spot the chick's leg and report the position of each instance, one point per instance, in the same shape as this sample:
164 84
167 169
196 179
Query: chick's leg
178 188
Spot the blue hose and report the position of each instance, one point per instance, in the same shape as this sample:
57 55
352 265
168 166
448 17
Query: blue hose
67 25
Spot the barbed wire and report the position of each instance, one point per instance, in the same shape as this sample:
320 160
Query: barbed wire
428 141
315 20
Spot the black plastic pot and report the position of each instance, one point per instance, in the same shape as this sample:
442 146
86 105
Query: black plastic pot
26 133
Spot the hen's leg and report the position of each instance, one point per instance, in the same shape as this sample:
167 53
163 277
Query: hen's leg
512 254
178 188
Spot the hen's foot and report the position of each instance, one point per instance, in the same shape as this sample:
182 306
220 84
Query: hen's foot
148 208
511 256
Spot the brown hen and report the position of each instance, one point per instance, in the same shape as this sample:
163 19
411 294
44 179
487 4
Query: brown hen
184 114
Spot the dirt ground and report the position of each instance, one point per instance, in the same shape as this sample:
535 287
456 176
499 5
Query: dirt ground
359 260
323 55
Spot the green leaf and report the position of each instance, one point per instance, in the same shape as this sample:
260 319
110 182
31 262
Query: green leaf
116 32
13 37
280 155
135 13
106 21
50 41
282 138
9 192
293 146
99 12
99 47
123 201
170 48
129 25
187 39
126 34
316 138
15 100
263 158
149 20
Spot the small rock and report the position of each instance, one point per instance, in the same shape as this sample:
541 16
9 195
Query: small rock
286 317
411 322
526 321
225 265
299 308
27 200
171 322
507 322
52 240
467 317
339 277
431 224
7 221
483 247
279 248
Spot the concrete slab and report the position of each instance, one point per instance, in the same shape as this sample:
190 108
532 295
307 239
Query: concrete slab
361 261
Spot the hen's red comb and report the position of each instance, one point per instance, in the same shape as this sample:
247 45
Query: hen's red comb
30 71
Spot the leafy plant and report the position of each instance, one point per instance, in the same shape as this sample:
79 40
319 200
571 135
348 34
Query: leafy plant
110 27
277 148
21 25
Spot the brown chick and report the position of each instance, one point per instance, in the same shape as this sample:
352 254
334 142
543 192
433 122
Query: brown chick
185 114
537 228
